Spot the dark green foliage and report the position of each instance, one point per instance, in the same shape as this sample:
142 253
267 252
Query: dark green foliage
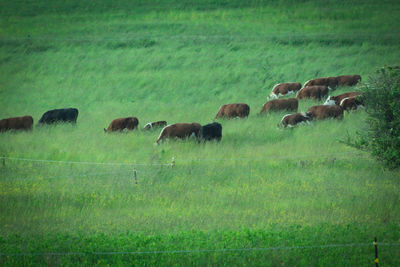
381 95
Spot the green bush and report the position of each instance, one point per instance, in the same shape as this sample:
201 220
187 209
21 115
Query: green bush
381 95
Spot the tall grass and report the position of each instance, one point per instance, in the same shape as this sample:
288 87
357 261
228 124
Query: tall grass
260 186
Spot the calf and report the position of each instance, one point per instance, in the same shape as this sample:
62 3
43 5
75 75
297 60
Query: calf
330 82
211 131
282 89
153 125
235 110
325 111
16 123
335 100
291 120
351 103
314 91
290 104
348 80
59 115
180 130
129 123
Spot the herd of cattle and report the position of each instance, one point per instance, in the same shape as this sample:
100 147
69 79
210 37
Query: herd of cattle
318 88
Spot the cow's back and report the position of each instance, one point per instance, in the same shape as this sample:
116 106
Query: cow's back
16 123
234 110
337 99
294 119
129 123
348 80
211 131
180 130
313 91
60 115
330 82
290 104
285 88
325 111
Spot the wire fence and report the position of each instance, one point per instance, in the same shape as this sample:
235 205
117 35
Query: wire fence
223 250
132 169
173 161
227 36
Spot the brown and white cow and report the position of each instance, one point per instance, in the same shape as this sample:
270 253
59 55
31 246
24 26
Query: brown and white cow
325 111
180 130
291 120
331 82
351 103
290 104
129 123
282 89
348 80
335 100
154 125
16 123
314 91
235 110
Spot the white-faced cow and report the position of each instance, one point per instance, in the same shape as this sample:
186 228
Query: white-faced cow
331 82
324 112
314 91
16 123
212 131
236 110
180 130
335 100
290 104
59 115
282 89
128 123
351 103
154 125
348 80
291 120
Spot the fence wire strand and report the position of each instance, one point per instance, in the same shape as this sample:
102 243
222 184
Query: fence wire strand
195 251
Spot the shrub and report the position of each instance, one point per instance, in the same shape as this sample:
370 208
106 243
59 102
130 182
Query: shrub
381 96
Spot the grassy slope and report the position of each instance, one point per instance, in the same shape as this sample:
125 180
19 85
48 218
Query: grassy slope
180 62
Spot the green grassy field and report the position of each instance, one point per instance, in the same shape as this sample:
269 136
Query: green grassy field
260 187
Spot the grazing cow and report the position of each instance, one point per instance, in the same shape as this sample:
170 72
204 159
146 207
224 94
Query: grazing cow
180 130
291 120
290 104
314 91
153 125
351 103
129 123
211 131
284 89
335 100
240 110
348 80
325 111
16 123
331 82
59 115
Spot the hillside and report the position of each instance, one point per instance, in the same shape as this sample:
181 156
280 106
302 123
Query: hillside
260 187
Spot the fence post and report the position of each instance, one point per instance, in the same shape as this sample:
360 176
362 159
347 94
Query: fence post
173 162
376 253
135 175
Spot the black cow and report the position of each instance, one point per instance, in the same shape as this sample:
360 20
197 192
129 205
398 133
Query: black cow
211 131
59 115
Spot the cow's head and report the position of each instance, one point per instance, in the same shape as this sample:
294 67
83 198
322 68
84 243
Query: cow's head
308 115
330 101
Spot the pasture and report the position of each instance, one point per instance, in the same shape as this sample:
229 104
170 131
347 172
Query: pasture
260 187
